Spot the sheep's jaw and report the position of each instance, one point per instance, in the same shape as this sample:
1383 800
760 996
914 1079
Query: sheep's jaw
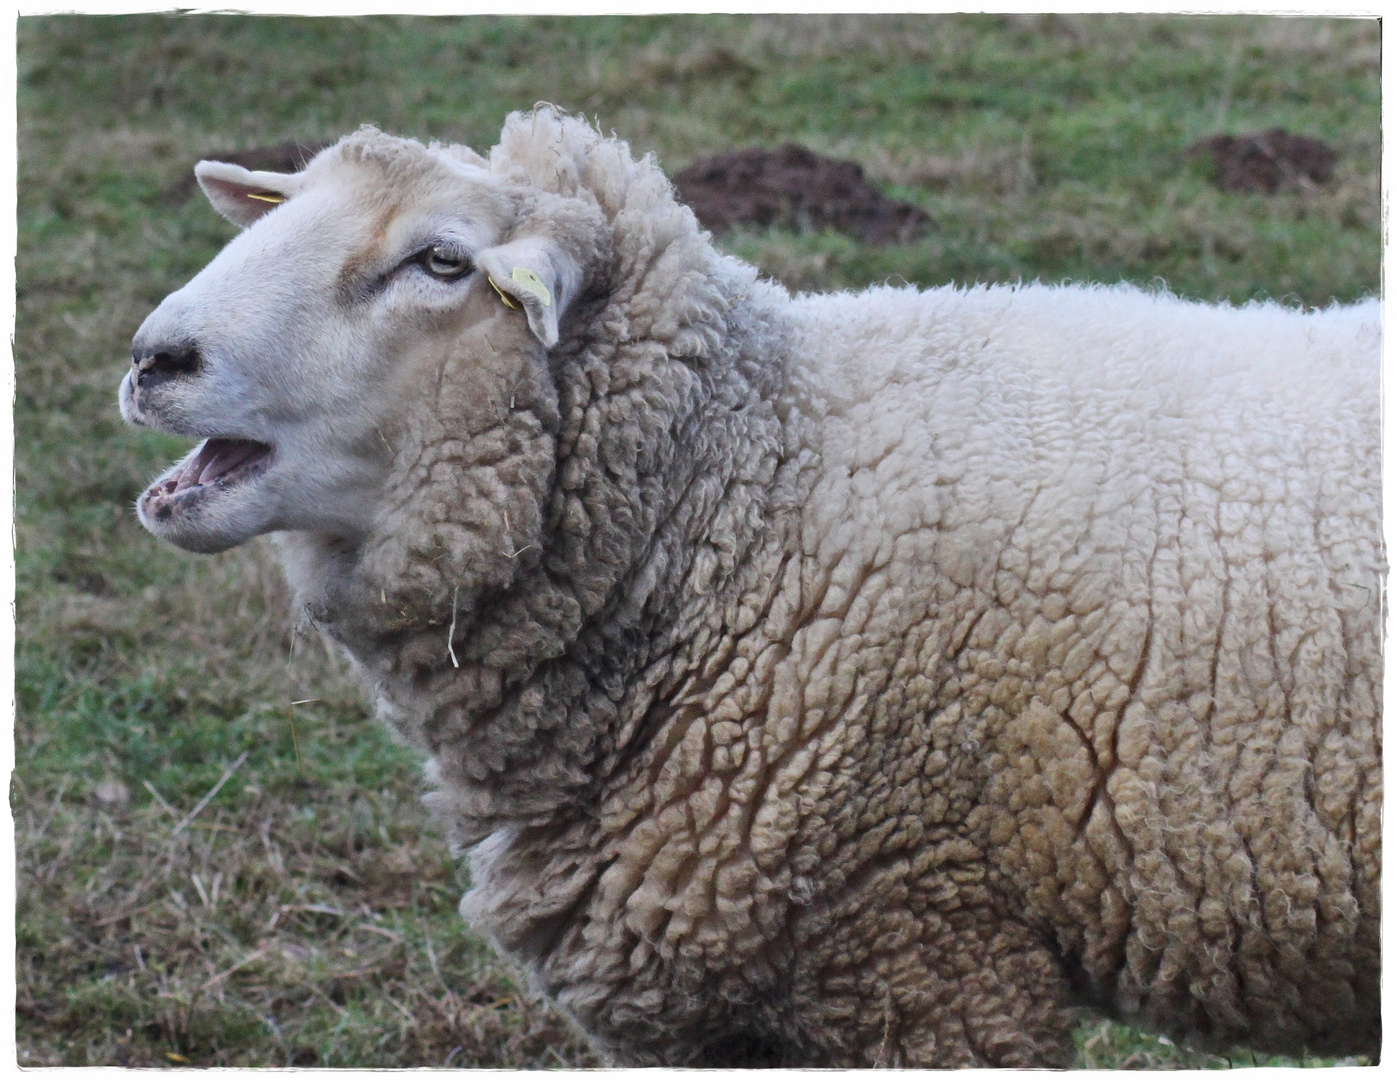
183 504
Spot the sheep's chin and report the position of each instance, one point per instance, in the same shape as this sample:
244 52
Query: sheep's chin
209 501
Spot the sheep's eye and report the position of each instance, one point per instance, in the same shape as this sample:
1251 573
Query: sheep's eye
444 263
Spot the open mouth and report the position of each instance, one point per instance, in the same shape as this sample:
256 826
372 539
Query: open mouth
218 463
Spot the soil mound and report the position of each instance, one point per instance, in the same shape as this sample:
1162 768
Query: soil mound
1267 161
797 188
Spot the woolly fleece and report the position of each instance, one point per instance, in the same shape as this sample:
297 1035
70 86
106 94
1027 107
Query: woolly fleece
867 679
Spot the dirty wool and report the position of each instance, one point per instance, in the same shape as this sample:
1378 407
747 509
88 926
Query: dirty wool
857 679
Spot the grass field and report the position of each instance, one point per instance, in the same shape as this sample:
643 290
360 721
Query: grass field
306 913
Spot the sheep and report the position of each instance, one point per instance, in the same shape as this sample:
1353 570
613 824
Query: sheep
841 680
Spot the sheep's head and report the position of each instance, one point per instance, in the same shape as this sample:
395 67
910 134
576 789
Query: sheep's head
297 351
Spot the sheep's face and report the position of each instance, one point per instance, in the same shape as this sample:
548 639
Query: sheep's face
284 353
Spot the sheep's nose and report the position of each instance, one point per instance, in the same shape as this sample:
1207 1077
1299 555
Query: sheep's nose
166 362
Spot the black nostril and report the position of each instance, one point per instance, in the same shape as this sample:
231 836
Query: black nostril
167 363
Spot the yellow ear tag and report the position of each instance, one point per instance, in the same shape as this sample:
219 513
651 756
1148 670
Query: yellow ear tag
507 301
531 281
266 198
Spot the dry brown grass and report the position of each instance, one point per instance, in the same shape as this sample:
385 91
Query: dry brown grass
236 940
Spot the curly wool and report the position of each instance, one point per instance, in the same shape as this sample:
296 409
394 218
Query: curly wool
867 679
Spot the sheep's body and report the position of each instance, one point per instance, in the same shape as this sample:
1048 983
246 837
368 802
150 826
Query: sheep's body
1065 689
866 678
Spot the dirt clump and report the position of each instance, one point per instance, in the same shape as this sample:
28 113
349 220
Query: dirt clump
796 188
1267 161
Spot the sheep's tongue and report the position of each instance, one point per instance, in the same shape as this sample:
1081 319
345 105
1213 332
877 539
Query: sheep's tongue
225 455
216 457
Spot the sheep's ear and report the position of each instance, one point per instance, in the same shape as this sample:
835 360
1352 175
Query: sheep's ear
535 274
241 195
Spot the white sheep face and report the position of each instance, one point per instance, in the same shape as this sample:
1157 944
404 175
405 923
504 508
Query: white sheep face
282 352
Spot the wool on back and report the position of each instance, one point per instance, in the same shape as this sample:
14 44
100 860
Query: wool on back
865 678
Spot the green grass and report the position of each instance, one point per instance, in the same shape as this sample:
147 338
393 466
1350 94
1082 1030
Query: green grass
307 913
